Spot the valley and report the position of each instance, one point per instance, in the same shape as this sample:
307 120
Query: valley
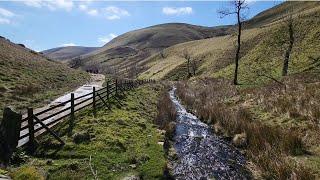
185 118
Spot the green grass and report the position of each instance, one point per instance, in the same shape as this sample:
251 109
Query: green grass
124 141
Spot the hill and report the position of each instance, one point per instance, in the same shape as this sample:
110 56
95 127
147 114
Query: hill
28 77
263 48
266 107
69 52
120 56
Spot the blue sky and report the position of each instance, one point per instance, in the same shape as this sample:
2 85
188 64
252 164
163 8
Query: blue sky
43 25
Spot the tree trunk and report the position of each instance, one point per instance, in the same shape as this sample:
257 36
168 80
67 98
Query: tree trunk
288 51
189 73
235 80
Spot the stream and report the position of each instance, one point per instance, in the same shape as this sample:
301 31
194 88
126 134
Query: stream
202 154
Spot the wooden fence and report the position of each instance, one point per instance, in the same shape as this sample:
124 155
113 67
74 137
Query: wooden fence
37 123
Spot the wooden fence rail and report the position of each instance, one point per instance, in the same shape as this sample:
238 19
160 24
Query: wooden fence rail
37 123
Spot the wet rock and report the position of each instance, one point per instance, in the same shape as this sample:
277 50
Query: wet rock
131 177
240 140
81 137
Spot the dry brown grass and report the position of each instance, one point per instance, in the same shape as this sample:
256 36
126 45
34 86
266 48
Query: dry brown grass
166 111
269 147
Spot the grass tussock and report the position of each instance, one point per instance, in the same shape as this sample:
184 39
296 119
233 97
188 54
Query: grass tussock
166 111
271 148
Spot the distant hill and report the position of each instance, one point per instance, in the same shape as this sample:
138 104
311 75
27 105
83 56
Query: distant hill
123 52
28 77
69 52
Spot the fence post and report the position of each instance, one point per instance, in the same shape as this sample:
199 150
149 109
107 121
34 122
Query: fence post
94 101
72 117
31 143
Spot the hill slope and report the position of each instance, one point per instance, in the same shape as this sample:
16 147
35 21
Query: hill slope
28 77
262 50
69 52
121 55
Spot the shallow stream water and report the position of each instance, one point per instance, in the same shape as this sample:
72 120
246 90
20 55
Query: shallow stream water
201 153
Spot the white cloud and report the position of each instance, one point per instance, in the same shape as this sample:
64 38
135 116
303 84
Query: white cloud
52 5
68 44
6 16
83 7
6 13
107 38
113 12
4 21
177 11
92 12
113 17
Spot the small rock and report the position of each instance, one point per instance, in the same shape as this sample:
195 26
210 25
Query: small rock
133 166
160 131
161 143
131 177
240 140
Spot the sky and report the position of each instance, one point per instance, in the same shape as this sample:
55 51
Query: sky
42 25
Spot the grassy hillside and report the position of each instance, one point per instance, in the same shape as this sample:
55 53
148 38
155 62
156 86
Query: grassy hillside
122 54
262 51
27 77
69 52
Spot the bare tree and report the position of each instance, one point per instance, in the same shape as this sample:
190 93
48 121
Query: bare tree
187 56
237 8
194 66
290 27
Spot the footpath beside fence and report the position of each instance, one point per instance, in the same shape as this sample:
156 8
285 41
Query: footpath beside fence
27 128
